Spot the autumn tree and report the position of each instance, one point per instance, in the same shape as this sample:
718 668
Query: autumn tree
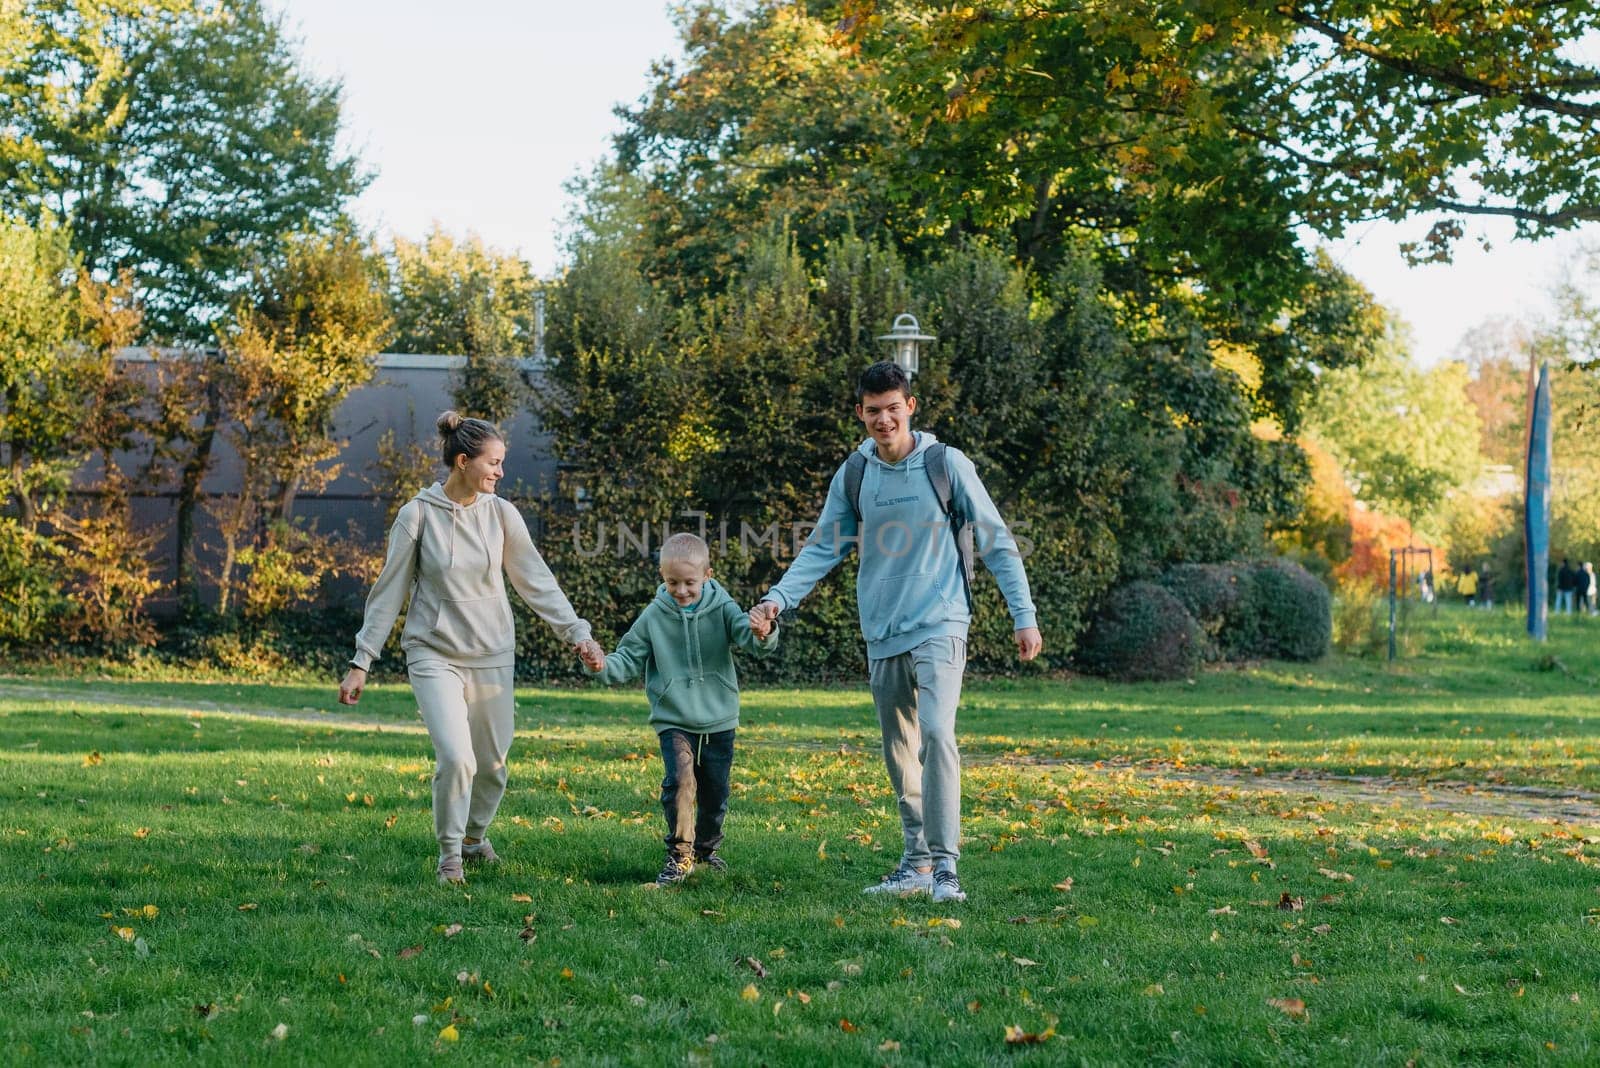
291 356
177 139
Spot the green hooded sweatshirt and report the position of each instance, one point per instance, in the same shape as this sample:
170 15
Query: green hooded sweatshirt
686 657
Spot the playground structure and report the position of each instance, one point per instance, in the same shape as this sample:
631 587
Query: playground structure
1402 578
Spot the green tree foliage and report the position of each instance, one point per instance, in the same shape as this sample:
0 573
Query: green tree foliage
38 357
460 298
178 139
1406 438
1224 114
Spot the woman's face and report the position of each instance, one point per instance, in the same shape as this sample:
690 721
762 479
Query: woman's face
483 472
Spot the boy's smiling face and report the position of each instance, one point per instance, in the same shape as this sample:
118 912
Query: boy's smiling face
684 578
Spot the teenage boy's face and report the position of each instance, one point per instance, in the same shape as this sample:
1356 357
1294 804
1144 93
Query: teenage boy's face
887 416
684 579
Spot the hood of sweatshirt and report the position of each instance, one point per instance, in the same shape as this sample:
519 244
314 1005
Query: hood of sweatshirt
920 441
712 597
479 515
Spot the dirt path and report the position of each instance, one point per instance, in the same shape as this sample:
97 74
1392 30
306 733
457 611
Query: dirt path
1491 800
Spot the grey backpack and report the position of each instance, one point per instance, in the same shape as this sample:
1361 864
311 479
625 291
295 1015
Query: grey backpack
935 463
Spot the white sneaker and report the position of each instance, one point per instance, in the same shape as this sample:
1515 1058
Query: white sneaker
904 881
946 887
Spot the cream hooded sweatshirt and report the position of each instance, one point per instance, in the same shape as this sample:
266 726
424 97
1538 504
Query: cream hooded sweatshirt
453 560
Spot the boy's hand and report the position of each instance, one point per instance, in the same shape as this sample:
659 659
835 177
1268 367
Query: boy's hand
1029 642
593 657
355 680
762 616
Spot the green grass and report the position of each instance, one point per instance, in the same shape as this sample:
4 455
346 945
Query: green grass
1457 938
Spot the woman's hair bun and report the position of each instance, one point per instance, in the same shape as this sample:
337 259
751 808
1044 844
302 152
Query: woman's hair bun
449 422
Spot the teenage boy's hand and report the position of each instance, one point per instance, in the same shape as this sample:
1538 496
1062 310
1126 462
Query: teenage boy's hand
1029 642
355 680
764 614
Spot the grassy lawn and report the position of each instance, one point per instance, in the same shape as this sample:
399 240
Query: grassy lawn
180 881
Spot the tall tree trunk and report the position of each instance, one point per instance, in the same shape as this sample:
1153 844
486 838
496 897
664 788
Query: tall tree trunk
190 490
19 483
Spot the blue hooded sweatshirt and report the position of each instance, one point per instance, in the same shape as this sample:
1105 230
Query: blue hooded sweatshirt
909 586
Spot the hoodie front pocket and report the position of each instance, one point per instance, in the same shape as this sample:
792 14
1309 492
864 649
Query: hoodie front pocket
474 627
907 602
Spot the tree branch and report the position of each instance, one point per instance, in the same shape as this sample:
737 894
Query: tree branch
1531 98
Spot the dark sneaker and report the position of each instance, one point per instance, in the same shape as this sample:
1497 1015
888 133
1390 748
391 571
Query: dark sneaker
675 870
946 887
450 871
479 853
713 861
903 882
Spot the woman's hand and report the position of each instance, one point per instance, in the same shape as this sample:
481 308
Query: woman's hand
592 655
355 680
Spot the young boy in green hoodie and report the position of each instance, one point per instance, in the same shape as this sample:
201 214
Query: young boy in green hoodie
683 645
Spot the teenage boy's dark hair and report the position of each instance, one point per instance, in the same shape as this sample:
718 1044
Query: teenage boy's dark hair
885 376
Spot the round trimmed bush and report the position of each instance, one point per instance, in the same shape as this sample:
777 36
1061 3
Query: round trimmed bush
1218 597
1293 610
1142 632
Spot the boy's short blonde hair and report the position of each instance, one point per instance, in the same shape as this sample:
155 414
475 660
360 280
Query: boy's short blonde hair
686 547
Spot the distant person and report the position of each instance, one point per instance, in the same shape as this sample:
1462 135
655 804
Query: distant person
1486 589
1590 589
450 551
1468 588
682 643
1566 587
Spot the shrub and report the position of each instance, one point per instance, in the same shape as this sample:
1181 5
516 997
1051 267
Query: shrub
30 597
1141 632
1217 596
1293 612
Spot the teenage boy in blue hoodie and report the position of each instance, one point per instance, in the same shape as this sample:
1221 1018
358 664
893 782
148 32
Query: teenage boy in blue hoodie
683 644
905 505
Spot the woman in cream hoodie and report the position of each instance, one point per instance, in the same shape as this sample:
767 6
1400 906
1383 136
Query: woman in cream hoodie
451 549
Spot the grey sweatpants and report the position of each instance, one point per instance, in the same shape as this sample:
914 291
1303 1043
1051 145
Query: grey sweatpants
916 694
471 715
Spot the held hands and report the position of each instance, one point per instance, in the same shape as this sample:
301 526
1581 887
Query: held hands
760 625
1029 642
592 655
355 680
762 617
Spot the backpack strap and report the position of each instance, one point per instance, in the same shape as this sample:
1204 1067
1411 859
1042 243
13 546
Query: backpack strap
936 463
855 469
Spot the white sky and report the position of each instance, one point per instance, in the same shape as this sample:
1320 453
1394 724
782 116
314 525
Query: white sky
474 115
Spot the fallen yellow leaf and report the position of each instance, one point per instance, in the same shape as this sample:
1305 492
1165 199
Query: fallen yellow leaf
1289 1006
750 993
1016 1036
450 1034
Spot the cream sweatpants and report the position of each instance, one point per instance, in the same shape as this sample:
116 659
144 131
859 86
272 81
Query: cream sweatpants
470 714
